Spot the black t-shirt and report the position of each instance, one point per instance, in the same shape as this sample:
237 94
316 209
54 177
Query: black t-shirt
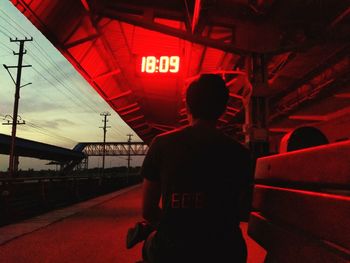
202 173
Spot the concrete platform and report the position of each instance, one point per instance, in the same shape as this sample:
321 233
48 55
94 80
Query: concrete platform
91 231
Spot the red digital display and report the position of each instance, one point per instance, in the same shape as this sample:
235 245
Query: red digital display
162 64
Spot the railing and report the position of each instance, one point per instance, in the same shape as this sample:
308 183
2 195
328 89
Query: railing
28 196
39 179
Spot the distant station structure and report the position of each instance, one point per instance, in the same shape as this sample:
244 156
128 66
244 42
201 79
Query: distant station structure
112 148
29 148
67 158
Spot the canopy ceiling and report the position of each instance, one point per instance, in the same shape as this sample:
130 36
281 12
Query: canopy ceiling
305 45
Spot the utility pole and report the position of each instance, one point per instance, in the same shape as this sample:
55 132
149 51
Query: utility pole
129 156
105 115
8 120
18 87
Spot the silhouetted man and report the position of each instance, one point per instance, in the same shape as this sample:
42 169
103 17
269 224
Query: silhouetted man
198 173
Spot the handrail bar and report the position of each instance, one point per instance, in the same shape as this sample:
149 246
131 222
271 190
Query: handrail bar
41 178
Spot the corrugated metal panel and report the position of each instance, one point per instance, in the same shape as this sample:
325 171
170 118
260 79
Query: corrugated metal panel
55 15
158 97
212 59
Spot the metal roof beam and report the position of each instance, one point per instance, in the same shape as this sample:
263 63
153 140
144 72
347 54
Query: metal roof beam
140 126
128 107
163 127
328 63
339 113
129 111
144 131
196 15
139 9
120 95
81 41
280 130
223 120
151 25
327 117
135 119
232 95
342 95
308 117
204 52
107 74
311 84
231 113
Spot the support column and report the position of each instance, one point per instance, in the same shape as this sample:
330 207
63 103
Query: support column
15 164
257 137
104 115
129 157
256 118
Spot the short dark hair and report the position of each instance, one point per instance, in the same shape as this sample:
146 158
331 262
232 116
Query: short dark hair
207 97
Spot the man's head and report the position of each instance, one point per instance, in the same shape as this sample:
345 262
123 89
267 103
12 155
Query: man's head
207 97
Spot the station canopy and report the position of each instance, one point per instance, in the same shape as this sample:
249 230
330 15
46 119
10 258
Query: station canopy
140 55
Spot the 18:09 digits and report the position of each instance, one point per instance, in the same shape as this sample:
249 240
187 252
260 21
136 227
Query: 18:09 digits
165 64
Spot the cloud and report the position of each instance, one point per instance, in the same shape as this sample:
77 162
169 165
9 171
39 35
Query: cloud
65 122
61 73
30 104
57 124
6 107
33 105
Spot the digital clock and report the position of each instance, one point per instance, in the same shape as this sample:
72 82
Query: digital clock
162 64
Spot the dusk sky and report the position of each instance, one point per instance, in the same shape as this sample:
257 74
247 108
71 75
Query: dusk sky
59 107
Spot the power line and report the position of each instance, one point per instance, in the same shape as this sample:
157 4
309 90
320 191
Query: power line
58 136
7 47
13 21
44 131
5 55
52 62
40 62
48 132
74 102
90 106
85 100
53 85
49 59
30 124
39 48
5 29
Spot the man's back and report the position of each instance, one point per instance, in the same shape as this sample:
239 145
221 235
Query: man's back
199 173
202 173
